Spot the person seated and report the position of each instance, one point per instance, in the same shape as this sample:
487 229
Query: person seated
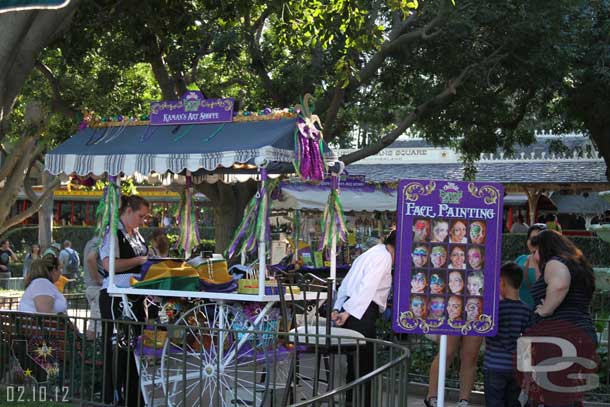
41 295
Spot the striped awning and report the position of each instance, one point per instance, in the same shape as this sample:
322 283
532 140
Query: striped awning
200 149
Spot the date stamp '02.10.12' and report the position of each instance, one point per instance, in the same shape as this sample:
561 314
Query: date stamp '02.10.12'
35 393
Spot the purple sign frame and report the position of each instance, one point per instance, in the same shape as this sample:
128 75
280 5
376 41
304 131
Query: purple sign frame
191 109
448 254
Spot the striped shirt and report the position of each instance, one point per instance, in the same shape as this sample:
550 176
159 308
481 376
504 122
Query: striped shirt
574 308
514 316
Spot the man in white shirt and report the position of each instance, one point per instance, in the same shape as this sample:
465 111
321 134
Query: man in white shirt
363 294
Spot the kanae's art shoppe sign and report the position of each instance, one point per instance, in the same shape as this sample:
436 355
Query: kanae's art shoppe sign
448 257
191 109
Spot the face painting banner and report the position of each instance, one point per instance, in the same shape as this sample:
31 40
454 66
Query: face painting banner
449 238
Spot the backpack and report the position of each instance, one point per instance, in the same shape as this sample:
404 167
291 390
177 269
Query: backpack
73 261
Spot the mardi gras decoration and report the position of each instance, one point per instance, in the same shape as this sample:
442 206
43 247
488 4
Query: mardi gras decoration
333 220
309 163
189 233
255 226
110 201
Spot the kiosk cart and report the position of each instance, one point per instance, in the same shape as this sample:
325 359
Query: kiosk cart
224 370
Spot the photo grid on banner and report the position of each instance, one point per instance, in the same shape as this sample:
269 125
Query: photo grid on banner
449 237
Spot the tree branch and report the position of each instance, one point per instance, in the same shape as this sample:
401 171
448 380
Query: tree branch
36 205
397 39
160 69
13 158
521 111
257 61
58 104
422 109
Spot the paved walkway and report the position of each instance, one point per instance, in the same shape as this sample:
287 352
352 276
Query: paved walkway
416 401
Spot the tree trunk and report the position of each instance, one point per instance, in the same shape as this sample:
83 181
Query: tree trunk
45 217
228 201
24 35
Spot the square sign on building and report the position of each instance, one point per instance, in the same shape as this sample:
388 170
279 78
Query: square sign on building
449 237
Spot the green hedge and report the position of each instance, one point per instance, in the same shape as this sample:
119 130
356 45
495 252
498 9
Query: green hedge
513 244
21 238
596 250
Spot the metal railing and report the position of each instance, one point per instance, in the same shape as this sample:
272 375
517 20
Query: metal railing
12 283
188 364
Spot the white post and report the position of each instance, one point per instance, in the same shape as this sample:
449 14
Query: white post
334 185
113 213
261 246
242 260
187 253
442 367
333 257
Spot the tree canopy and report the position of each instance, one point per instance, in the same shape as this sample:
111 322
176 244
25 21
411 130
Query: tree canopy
474 75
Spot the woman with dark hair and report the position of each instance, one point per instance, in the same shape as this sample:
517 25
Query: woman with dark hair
130 254
41 295
566 284
529 265
562 296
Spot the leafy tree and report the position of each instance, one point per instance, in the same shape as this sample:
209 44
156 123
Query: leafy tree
577 94
24 36
471 74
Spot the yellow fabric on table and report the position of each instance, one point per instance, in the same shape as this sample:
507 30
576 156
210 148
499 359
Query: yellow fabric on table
214 271
167 269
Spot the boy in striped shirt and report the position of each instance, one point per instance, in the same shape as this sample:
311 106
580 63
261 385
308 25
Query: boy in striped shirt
501 386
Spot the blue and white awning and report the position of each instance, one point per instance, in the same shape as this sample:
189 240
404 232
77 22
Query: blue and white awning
200 148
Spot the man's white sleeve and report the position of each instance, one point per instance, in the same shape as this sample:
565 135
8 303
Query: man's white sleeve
374 269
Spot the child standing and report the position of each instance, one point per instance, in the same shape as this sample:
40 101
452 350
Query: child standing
501 386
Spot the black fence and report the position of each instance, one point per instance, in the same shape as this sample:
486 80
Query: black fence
50 359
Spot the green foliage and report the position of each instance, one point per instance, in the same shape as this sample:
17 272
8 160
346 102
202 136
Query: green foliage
596 250
21 238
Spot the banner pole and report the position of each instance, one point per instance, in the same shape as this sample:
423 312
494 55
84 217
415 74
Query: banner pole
442 367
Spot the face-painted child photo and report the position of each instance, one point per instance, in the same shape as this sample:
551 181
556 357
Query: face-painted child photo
419 306
438 256
420 256
477 232
457 233
457 259
440 231
419 282
476 258
421 230
474 308
454 307
474 283
436 308
456 282
437 283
